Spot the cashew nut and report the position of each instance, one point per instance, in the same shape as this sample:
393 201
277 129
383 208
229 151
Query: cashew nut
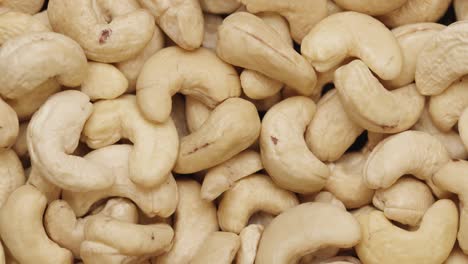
9 126
220 6
104 81
26 6
461 9
219 247
416 11
249 239
11 174
370 7
14 24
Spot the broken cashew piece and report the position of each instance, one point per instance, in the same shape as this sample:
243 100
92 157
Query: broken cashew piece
9 126
219 247
220 6
104 81
284 152
11 174
249 239
14 24
304 229
461 9
370 7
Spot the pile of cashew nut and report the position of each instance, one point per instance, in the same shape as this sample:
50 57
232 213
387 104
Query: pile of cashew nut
234 131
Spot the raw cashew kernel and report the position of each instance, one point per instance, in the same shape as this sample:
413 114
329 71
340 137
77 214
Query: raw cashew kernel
249 239
11 174
9 126
104 81
461 9
351 34
370 7
220 6
249 195
14 24
26 6
219 247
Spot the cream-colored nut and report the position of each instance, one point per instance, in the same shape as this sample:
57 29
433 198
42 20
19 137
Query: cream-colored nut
131 68
181 20
219 247
384 243
456 257
416 11
304 229
220 6
373 107
264 105
410 152
261 218
161 200
223 176
178 115
301 15
412 39
25 6
155 145
21 146
284 152
106 33
211 25
195 221
200 74
9 126
23 232
247 41
196 113
231 128
336 260
104 81
461 9
43 17
54 133
249 195
370 7
328 197
49 190
351 34
249 239
11 174
441 62
406 201
331 132
450 139
14 24
67 231
445 109
56 56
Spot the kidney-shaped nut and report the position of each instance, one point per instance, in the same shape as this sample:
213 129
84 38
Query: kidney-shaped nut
195 221
370 7
304 229
220 6
14 24
11 174
231 128
406 201
23 232
200 74
249 195
155 145
384 243
219 247
55 56
301 15
410 152
9 126
461 9
118 37
373 107
284 152
161 200
247 41
249 239
416 11
26 6
104 81
443 59
351 34
54 133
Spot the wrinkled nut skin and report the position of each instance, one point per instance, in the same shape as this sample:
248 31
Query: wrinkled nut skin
11 174
351 34
231 128
23 232
247 41
118 37
373 107
301 15
382 242
304 229
25 6
104 81
220 6
14 24
155 145
219 247
461 9
177 70
442 61
56 56
9 126
249 195
249 239
284 151
370 7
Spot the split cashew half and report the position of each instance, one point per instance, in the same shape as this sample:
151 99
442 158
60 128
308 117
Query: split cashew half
219 247
11 174
370 7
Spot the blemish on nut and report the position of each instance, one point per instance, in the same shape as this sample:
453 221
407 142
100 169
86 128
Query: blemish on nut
274 140
105 34
198 148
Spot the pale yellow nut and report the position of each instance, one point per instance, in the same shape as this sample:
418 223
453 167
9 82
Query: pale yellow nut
461 9
249 239
384 243
351 34
103 81
220 6
219 247
370 7
9 126
26 6
14 24
11 174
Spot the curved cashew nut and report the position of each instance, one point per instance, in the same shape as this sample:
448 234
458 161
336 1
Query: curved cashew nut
223 176
11 174
415 152
442 61
161 200
382 242
53 134
220 6
284 151
456 257
461 9
370 7
351 34
219 247
104 81
249 239
304 229
180 71
416 11
249 195
195 221
23 232
14 24
196 113
155 145
181 20
412 39
247 41
9 126
21 75
26 6
373 107
331 132
301 15
231 128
